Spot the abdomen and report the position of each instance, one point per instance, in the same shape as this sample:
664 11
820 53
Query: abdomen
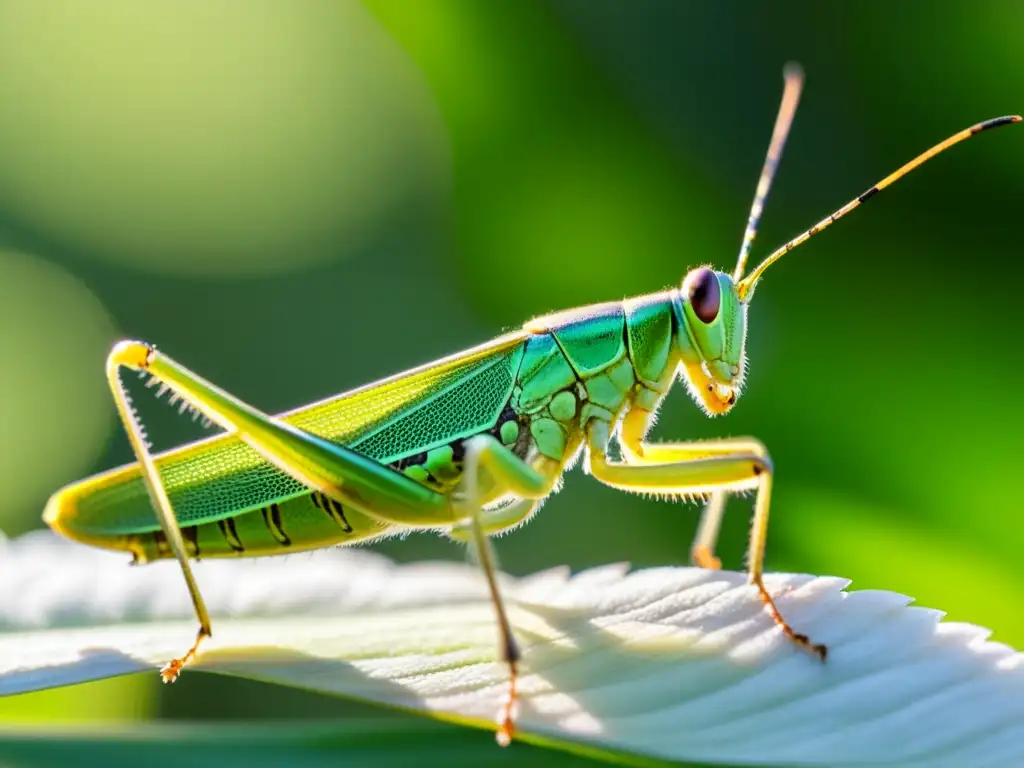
300 524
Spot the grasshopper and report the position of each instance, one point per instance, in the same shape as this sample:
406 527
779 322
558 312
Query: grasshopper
469 446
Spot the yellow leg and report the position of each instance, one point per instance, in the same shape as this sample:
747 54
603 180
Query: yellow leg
484 454
702 553
708 467
162 507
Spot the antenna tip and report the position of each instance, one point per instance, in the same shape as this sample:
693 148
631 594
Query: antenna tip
793 71
995 122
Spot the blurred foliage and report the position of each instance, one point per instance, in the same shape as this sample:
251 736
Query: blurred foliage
196 139
297 198
380 743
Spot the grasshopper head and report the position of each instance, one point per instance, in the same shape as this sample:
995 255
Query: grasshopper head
712 331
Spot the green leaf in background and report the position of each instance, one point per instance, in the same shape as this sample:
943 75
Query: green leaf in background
54 419
380 744
185 138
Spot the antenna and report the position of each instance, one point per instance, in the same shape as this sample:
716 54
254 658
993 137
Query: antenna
794 78
746 285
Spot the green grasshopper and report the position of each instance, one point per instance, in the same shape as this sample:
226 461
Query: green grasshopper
469 445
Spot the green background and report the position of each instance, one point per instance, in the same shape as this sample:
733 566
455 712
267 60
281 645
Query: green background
297 198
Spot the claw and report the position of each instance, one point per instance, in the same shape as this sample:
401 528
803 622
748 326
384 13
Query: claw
703 557
172 670
817 649
506 720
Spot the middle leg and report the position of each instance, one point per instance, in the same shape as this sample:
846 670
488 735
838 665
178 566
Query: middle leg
702 551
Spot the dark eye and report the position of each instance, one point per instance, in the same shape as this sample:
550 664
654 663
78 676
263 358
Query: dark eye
702 291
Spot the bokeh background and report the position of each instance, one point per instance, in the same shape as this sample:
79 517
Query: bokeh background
297 198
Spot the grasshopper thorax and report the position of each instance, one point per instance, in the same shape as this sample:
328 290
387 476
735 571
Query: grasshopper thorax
712 329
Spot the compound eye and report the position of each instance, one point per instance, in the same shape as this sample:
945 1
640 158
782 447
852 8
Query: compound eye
702 290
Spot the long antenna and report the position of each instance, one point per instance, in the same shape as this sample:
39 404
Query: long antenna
746 285
794 77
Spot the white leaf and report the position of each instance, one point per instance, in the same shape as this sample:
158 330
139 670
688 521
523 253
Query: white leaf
673 663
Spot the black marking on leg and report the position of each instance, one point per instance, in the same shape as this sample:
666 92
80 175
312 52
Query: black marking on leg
510 647
315 500
272 519
868 195
230 534
336 512
191 536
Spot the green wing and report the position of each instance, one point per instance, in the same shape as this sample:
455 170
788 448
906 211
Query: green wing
387 420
